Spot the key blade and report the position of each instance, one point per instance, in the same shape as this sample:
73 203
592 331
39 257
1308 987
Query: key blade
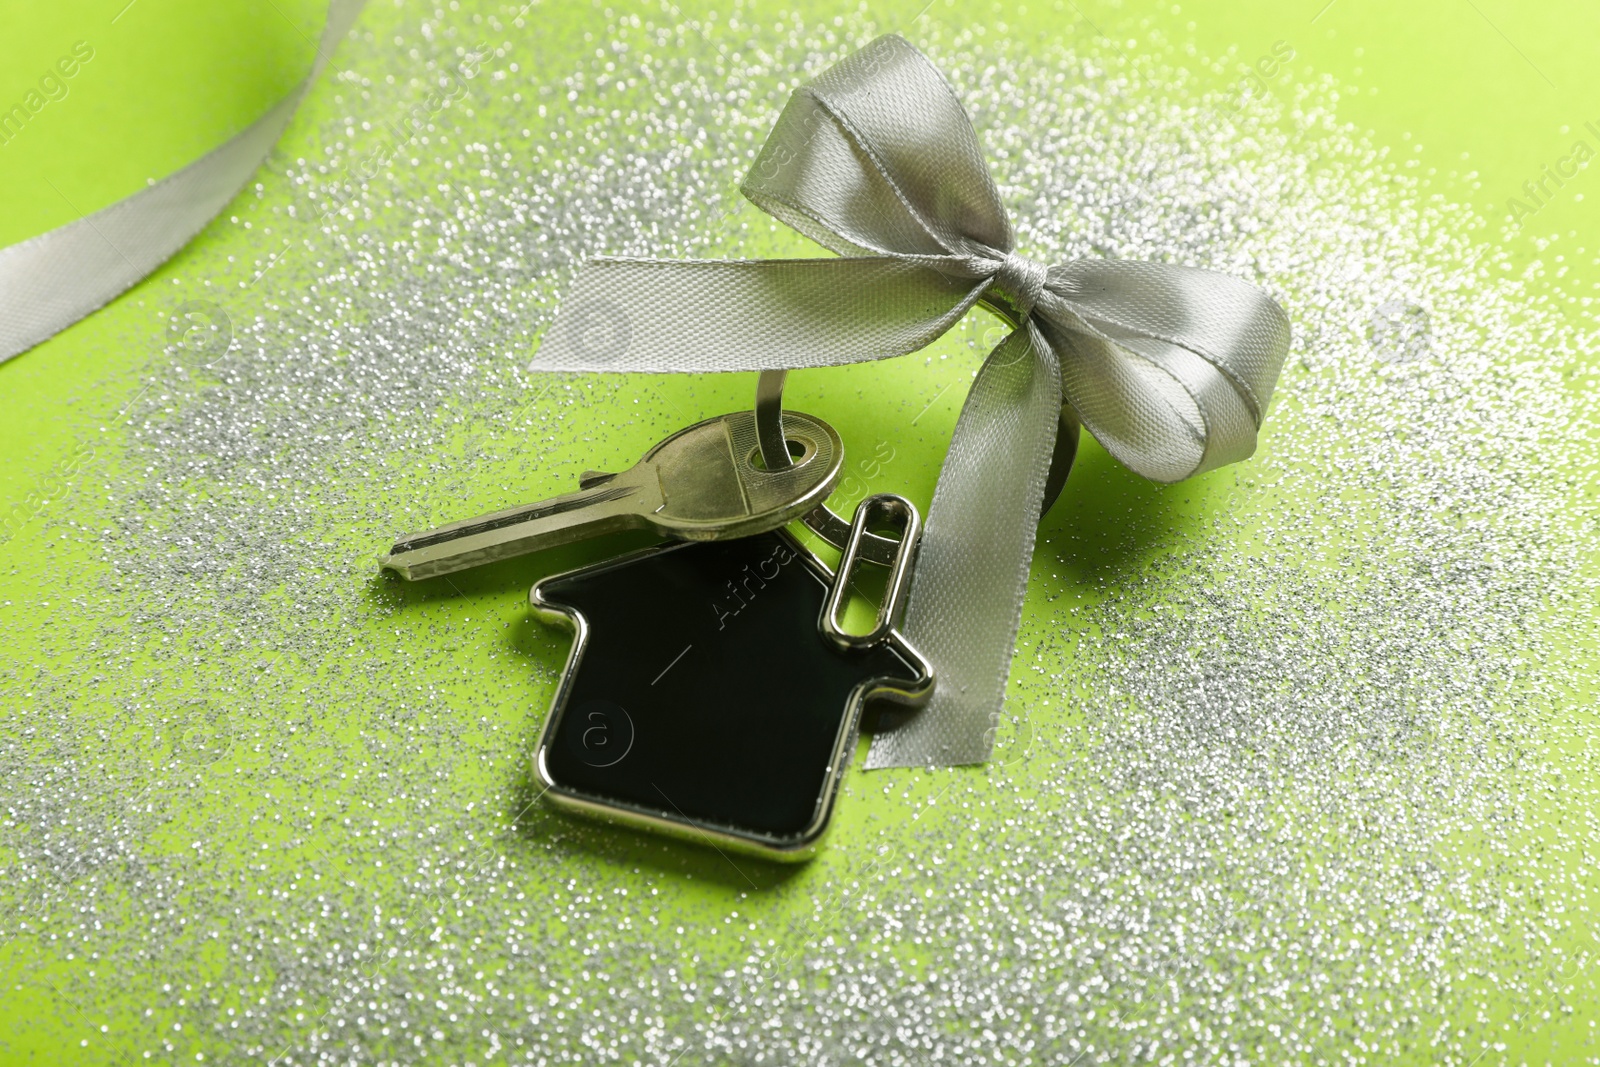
518 531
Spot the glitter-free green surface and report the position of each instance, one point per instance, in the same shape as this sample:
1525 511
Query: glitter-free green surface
192 779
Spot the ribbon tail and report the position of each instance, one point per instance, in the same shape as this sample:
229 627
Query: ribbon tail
972 570
651 315
51 281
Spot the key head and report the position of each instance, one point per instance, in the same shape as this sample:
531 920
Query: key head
714 486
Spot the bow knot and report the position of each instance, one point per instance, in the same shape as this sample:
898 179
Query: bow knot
1169 367
1020 280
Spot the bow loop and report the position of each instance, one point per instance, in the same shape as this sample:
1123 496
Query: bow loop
1169 367
878 156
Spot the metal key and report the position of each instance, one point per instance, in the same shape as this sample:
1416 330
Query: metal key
704 483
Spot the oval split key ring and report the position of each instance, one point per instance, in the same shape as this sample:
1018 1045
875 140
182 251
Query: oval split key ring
771 426
836 531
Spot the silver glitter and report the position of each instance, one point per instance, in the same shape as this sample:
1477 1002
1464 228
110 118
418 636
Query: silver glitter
1295 771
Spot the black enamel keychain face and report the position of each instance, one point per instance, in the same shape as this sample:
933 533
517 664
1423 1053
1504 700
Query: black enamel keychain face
700 698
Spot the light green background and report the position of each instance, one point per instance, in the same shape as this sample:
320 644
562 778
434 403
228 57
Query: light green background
1483 94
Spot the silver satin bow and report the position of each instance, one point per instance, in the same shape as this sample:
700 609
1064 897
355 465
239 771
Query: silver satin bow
1169 367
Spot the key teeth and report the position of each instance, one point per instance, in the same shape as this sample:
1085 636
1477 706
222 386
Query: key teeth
590 479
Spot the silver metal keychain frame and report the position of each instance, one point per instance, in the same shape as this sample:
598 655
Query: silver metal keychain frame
673 824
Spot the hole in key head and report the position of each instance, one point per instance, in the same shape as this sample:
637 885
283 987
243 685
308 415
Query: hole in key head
800 450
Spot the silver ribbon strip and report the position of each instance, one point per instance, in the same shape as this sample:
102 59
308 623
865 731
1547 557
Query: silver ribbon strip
1171 368
49 282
